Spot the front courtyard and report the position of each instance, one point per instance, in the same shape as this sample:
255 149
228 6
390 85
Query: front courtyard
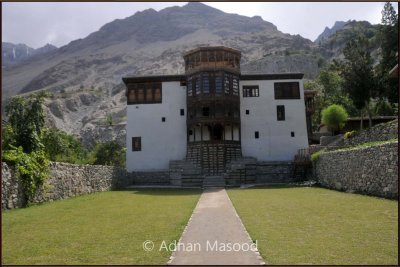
292 225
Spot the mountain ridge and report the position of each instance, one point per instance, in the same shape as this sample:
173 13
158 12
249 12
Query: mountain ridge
152 42
16 53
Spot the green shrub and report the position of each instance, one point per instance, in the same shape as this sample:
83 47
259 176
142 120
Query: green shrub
63 147
334 116
351 134
108 153
315 155
32 168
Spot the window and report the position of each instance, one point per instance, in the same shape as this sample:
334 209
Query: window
182 112
280 112
136 143
189 87
218 84
190 132
141 95
149 95
157 95
292 134
206 83
247 112
235 85
132 95
144 93
250 91
163 119
206 111
226 84
256 135
287 90
197 84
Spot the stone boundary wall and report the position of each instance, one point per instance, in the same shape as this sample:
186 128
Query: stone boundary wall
248 170
370 170
67 180
379 132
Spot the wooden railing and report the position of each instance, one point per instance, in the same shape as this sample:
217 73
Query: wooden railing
302 156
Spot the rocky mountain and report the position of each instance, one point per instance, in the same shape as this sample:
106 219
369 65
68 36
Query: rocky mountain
15 53
335 43
85 75
329 31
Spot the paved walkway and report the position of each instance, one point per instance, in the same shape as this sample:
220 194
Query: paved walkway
214 228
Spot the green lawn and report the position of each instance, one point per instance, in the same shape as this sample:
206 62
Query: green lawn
319 226
101 228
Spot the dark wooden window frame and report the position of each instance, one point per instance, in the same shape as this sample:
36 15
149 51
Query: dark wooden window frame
287 90
137 143
251 91
280 112
150 93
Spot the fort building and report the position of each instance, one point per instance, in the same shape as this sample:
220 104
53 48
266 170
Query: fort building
214 114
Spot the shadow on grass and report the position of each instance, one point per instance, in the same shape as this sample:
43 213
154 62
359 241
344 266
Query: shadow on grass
273 186
163 191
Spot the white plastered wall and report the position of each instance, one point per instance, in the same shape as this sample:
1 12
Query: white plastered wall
161 141
275 141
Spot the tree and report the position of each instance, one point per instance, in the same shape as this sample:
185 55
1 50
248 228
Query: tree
25 122
358 76
22 146
329 90
109 153
388 38
335 117
60 146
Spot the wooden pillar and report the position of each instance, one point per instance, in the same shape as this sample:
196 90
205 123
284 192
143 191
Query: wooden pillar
201 132
232 131
240 137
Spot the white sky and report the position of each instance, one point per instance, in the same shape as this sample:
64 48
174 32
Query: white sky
36 24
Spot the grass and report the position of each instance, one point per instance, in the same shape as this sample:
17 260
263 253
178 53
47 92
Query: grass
307 225
315 155
101 228
368 144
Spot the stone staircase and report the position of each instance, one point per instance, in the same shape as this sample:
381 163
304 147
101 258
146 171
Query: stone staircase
241 171
212 157
185 174
213 181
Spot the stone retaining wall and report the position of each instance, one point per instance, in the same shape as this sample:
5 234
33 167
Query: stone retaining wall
379 132
67 180
369 170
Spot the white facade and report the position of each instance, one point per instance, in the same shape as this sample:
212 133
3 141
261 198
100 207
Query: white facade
160 141
275 141
165 141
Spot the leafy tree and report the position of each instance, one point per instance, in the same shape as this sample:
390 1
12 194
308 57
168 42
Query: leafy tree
329 90
60 146
388 38
383 108
109 153
358 76
335 117
25 122
22 146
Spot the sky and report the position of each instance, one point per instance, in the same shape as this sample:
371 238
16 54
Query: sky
36 24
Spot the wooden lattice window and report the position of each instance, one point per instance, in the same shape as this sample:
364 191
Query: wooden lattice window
144 93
